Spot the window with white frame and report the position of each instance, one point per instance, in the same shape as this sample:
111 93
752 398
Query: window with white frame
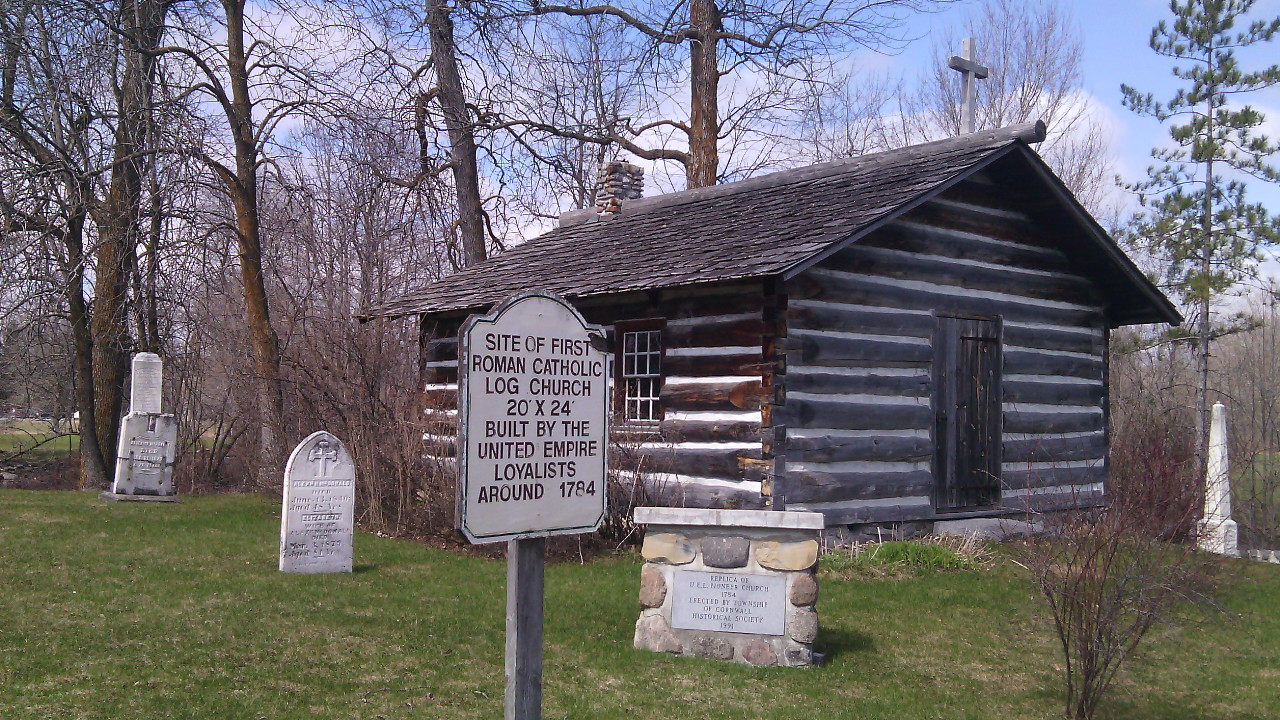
640 373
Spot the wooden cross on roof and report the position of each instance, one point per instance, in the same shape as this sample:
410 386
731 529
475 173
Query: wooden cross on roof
972 72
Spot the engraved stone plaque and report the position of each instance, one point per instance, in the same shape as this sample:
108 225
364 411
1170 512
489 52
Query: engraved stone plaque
145 455
145 384
728 602
318 520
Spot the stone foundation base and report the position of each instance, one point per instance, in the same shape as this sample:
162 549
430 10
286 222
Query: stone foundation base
737 585
117 497
997 529
1220 537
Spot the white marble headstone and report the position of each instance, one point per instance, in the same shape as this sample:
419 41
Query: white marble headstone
318 520
147 380
145 455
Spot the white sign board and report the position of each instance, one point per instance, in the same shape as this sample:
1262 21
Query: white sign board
533 422
318 521
728 602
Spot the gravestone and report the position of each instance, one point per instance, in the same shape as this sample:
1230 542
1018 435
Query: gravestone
148 440
736 585
146 384
318 520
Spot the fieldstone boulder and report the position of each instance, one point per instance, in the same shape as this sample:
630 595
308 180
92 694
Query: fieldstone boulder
758 652
653 587
795 555
725 552
710 646
799 654
669 548
654 633
804 590
804 625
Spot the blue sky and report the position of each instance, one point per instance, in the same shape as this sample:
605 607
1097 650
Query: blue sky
1116 35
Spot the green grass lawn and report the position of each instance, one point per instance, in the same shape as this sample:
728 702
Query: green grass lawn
132 610
1255 494
30 436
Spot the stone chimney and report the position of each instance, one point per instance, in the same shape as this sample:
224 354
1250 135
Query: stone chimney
616 182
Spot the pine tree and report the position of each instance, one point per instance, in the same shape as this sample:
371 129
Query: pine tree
1198 218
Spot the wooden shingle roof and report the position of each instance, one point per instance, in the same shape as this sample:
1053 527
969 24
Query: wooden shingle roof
753 228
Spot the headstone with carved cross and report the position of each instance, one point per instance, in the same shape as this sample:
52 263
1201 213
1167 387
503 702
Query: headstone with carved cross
971 72
318 520
148 439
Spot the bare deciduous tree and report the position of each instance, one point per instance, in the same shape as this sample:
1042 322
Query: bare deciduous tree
75 109
138 26
770 49
437 85
256 79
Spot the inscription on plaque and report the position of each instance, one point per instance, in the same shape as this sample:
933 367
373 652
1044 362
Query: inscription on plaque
145 455
319 507
728 602
534 422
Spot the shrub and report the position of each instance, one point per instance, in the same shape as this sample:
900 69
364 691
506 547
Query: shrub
1109 576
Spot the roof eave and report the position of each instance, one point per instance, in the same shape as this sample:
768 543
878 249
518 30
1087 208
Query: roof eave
1164 309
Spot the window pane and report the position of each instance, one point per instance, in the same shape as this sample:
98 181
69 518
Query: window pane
640 377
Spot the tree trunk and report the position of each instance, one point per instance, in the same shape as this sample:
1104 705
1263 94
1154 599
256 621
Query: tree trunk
94 471
109 328
109 321
118 216
704 87
243 188
1204 331
457 120
146 310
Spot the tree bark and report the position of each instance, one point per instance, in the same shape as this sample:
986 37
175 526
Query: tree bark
146 308
457 120
243 188
94 470
704 87
119 214
1204 333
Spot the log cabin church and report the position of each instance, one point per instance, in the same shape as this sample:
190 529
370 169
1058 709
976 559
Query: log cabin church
903 337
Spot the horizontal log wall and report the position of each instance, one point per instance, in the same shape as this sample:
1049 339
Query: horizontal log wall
857 402
707 450
438 358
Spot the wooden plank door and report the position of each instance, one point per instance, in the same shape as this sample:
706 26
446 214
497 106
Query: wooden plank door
967 413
